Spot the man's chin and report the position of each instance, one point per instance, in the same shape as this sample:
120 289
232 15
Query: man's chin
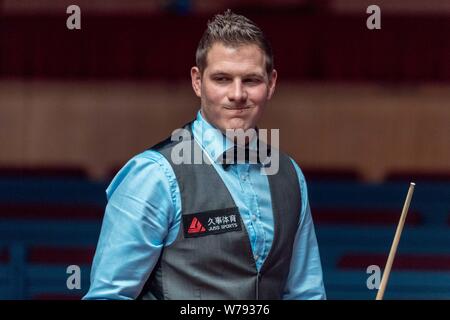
237 128
238 125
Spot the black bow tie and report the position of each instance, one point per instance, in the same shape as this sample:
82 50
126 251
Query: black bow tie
239 155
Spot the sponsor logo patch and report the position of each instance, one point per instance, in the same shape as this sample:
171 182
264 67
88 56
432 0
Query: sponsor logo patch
211 222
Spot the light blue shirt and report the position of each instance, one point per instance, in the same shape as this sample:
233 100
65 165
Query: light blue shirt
143 215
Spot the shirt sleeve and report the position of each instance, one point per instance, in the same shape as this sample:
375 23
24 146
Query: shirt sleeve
141 210
305 279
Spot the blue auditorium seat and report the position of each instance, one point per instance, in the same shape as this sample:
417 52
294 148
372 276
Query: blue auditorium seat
48 223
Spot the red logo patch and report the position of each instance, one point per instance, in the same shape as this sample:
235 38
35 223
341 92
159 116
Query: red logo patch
196 226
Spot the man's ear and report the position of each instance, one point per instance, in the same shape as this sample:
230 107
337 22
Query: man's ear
272 83
196 78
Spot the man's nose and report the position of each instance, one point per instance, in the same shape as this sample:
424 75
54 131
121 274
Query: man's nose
237 92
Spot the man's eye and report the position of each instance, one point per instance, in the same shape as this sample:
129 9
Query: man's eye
221 79
252 81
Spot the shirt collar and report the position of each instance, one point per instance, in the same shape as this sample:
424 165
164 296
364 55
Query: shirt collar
213 141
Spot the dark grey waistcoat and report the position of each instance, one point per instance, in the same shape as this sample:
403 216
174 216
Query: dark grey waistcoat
207 264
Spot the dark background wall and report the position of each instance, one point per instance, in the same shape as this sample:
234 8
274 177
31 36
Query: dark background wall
364 112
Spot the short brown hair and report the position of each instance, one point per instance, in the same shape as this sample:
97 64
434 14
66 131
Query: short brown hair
232 30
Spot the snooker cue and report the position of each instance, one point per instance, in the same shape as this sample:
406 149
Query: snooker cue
398 233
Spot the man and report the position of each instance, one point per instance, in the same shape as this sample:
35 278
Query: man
212 230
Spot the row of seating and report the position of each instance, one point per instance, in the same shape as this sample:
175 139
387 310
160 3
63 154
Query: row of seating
50 218
49 223
323 174
323 216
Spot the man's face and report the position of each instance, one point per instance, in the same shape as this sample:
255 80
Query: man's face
234 87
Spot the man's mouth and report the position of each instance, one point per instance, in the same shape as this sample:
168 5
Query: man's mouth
237 108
